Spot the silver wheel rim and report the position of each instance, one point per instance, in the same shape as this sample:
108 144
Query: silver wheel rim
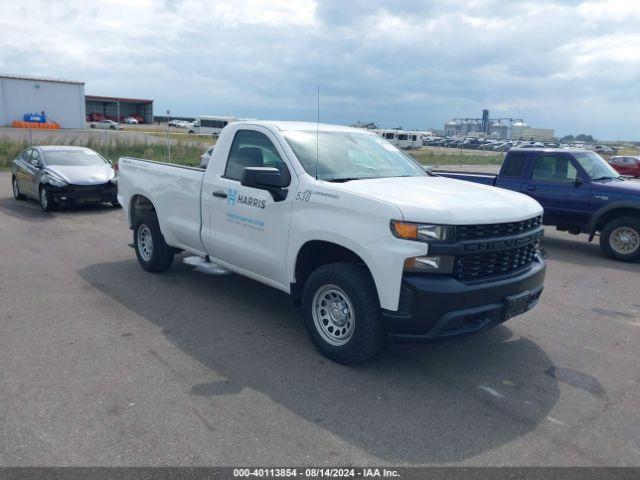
44 200
145 243
16 191
333 315
624 240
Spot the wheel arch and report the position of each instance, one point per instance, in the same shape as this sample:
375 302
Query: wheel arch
316 253
139 205
609 212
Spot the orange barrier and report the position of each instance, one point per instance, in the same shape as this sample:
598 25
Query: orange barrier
35 125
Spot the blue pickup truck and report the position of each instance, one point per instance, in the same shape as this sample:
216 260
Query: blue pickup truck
579 191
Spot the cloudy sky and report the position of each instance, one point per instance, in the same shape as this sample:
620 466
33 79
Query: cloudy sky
569 65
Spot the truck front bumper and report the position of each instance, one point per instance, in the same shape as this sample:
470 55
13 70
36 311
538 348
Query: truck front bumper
436 307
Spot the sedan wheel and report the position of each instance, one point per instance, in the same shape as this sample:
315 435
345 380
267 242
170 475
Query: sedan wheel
46 202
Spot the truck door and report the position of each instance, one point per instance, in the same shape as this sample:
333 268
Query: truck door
245 227
556 182
510 176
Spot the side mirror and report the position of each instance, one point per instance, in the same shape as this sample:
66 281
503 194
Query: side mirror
577 182
267 178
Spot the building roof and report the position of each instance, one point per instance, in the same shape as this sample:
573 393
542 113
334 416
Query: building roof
39 79
99 98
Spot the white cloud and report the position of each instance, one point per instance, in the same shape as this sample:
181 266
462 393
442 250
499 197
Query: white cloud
570 65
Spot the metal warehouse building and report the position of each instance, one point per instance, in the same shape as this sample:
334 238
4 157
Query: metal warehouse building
61 100
118 109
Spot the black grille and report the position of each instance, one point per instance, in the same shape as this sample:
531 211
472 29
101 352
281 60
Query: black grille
472 232
91 189
478 265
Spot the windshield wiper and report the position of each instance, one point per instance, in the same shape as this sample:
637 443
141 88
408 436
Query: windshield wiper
344 179
602 178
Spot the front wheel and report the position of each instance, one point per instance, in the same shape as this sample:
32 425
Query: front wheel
46 201
153 254
620 239
342 313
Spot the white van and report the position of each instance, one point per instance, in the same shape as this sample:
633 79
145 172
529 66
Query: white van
210 125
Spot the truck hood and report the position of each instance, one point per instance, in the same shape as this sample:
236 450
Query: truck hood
446 201
626 188
83 175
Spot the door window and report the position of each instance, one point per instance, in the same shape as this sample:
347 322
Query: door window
515 165
554 168
251 149
26 155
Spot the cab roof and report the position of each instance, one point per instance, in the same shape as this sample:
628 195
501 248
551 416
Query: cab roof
301 126
551 150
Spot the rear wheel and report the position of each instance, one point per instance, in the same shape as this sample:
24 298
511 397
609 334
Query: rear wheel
16 189
153 254
620 239
46 202
342 313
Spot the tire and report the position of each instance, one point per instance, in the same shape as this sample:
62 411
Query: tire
355 333
620 239
46 202
153 254
16 189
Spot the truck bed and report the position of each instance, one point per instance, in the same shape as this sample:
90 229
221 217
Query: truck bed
174 191
476 177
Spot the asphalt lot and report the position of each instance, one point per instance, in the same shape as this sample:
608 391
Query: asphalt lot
102 363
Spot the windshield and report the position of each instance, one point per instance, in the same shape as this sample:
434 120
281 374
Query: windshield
346 156
84 158
595 166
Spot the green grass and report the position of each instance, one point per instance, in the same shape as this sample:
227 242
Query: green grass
187 151
429 157
182 152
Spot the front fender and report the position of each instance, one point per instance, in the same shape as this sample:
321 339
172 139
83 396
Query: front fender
592 226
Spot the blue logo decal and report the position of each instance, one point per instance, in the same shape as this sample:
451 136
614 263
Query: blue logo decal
231 197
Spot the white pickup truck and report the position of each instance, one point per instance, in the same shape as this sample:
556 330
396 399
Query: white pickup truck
367 243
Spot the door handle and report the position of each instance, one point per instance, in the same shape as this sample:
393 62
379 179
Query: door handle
531 188
219 194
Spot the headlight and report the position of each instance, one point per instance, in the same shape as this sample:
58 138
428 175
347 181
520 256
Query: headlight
56 182
421 231
429 264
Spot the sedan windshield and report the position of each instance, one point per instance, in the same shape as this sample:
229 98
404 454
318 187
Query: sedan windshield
345 156
84 158
595 166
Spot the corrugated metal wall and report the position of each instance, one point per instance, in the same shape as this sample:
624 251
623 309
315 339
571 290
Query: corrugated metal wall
62 102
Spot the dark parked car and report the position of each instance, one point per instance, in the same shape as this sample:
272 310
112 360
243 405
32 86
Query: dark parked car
579 191
56 175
